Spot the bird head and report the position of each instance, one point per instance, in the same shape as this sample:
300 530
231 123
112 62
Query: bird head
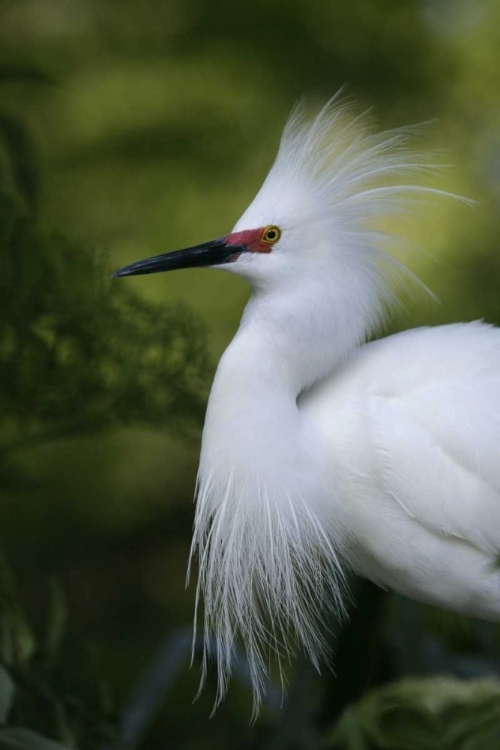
318 212
260 249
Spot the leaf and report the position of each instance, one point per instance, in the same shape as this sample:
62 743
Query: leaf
349 734
24 638
56 621
6 642
6 578
17 641
17 738
62 724
7 691
426 714
400 725
23 157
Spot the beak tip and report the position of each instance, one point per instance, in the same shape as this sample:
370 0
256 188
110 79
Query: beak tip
210 253
120 272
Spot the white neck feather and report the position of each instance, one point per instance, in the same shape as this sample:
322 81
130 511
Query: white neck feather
263 530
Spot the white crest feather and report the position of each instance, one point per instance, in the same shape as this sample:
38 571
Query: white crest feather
269 539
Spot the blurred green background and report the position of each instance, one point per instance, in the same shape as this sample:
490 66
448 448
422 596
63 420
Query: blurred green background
132 128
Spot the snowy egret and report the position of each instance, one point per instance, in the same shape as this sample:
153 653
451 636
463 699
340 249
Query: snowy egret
322 453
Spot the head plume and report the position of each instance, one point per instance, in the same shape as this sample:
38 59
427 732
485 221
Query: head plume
333 169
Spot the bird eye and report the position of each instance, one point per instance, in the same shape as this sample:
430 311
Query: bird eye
271 235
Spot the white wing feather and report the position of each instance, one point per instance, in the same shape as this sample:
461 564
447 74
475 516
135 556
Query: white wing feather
430 402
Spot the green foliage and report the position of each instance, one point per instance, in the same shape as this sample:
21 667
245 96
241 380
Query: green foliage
36 710
79 354
78 351
23 157
427 714
17 738
16 136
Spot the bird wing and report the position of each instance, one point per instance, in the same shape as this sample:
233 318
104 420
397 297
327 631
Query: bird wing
428 412
438 457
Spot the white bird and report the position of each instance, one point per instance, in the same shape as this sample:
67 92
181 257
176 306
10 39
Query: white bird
322 453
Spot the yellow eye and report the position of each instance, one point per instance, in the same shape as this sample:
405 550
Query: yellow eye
271 235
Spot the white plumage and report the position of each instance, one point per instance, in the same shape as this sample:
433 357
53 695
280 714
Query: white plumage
322 453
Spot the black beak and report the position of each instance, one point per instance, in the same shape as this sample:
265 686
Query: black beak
213 253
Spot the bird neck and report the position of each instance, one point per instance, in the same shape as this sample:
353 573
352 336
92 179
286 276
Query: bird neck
284 345
252 405
264 499
301 335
